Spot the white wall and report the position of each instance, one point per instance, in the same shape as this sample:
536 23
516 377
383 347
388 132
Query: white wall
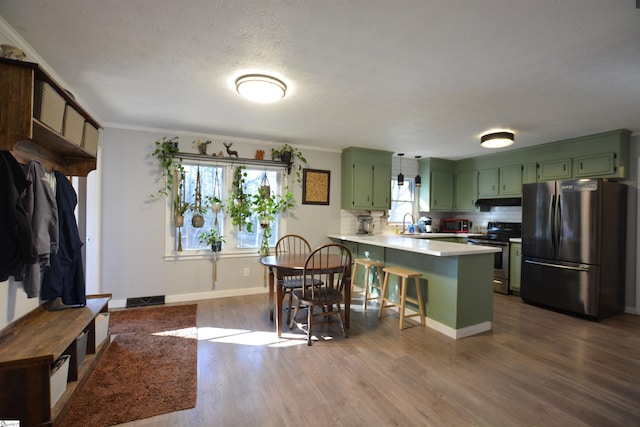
133 227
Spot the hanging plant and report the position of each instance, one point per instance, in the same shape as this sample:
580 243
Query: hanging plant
197 220
239 204
180 205
267 207
292 157
212 238
166 151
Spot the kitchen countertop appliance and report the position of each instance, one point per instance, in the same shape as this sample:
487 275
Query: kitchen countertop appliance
424 224
366 224
573 246
498 235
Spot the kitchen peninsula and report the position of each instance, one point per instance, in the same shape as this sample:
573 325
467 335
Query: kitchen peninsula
457 279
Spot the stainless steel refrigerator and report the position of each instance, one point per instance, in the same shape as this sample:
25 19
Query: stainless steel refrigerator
573 246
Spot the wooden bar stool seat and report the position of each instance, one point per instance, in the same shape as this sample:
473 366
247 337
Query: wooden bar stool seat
403 276
367 286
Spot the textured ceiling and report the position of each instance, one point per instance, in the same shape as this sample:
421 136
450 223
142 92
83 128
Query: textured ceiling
422 77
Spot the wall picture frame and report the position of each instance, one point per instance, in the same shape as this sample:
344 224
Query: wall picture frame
315 186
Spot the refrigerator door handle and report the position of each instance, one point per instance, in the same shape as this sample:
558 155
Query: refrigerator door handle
546 264
552 222
559 221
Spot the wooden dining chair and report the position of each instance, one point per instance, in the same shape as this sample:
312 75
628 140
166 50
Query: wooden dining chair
327 271
295 245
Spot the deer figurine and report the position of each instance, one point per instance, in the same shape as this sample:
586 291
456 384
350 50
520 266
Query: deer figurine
230 152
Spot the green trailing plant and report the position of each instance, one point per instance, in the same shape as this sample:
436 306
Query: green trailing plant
212 238
239 203
267 207
292 157
166 151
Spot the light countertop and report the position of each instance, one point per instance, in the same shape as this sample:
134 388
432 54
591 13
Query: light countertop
428 246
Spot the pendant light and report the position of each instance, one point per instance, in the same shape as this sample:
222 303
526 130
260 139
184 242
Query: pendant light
418 179
400 176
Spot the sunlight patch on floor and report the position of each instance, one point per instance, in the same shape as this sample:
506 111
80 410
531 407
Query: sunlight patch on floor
248 337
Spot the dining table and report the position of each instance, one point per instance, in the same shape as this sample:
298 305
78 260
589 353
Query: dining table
283 265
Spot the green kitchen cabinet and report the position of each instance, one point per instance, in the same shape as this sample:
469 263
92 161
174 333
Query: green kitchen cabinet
436 192
505 181
488 184
366 179
530 173
554 169
511 181
515 267
595 166
466 191
441 191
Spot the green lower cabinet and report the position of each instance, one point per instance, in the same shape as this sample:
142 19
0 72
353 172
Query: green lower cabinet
515 267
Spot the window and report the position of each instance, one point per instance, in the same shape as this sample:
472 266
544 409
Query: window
402 199
208 182
219 176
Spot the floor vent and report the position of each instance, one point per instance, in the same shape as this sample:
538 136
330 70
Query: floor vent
144 301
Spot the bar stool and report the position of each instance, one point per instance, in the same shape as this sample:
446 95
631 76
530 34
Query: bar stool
403 275
368 264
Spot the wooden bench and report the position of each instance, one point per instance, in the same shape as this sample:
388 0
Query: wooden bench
28 348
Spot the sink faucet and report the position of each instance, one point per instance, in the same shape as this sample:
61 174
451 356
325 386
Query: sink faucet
413 220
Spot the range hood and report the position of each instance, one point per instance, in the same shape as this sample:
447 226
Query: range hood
505 201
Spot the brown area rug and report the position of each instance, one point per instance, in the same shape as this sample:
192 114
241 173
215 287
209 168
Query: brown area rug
150 368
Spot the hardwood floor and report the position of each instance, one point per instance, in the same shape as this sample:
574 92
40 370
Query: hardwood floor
535 368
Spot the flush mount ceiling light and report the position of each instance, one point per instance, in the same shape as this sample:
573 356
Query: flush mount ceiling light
497 139
261 88
400 176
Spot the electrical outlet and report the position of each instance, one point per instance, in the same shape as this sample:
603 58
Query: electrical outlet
246 272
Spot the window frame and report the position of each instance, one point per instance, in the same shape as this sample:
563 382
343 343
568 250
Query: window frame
414 202
230 248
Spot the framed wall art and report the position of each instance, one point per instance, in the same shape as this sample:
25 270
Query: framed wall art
315 186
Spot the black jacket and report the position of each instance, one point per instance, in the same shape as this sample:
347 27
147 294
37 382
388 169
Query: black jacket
65 276
16 239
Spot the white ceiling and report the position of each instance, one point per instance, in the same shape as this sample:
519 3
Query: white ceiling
424 77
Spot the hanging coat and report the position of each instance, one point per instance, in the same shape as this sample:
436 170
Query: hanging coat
40 203
16 239
65 276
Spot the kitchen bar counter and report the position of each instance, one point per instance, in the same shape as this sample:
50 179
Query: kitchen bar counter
428 244
457 279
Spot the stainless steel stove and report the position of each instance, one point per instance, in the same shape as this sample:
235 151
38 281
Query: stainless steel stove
498 235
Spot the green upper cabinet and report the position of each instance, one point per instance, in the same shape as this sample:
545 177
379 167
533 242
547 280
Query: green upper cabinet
436 192
466 194
366 179
530 173
594 166
488 184
505 181
511 181
554 169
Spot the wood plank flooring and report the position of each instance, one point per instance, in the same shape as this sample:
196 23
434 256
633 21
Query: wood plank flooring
535 368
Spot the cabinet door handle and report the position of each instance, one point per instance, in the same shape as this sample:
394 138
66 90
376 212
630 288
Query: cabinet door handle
581 166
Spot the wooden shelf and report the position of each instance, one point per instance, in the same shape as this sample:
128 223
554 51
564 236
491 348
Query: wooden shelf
28 138
239 160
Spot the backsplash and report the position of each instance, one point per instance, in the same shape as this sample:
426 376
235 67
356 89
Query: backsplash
479 220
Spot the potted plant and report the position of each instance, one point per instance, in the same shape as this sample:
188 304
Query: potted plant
180 206
266 208
166 151
212 238
239 205
290 155
215 203
198 209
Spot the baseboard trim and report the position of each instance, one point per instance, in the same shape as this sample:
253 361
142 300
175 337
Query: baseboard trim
458 333
122 303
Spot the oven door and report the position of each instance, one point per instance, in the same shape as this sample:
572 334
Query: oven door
500 263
